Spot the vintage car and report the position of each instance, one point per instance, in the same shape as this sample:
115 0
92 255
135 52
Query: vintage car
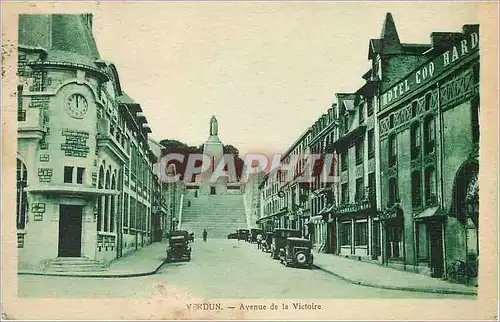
268 240
297 252
243 234
232 236
178 246
191 237
253 234
279 239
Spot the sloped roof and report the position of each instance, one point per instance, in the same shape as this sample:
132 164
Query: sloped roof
65 37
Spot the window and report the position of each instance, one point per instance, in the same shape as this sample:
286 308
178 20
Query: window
371 144
360 193
346 122
395 247
414 109
393 191
346 236
125 211
132 213
343 160
359 152
68 174
430 185
429 135
361 233
475 120
427 102
21 197
393 150
371 187
416 190
376 238
422 242
21 113
361 113
79 175
345 192
415 140
369 105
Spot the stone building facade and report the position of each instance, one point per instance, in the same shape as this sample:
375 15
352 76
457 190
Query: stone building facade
406 146
429 143
84 166
323 134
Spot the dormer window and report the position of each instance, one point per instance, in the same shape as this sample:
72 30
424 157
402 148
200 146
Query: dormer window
369 105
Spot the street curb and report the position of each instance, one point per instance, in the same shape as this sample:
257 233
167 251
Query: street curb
397 288
124 275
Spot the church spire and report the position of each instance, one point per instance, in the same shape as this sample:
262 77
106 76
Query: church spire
389 36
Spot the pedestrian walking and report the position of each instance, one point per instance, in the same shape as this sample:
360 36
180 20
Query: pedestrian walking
259 241
205 235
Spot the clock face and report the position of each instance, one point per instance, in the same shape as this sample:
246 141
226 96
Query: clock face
77 106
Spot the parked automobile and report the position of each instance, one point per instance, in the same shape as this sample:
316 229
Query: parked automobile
243 234
297 252
178 246
268 240
253 234
279 239
232 236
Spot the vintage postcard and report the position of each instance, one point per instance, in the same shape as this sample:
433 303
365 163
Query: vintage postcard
249 160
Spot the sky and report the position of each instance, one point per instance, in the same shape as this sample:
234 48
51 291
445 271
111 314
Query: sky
266 70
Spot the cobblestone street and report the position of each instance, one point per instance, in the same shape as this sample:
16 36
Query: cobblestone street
219 268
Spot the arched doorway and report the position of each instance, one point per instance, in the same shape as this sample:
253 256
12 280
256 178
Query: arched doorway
465 208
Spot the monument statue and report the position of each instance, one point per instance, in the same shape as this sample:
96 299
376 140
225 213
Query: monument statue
213 126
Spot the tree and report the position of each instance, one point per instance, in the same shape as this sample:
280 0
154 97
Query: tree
230 149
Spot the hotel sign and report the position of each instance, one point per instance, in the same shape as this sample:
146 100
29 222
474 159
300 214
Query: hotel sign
430 70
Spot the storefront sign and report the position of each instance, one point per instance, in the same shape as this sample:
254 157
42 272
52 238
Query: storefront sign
76 143
44 174
38 209
432 69
44 157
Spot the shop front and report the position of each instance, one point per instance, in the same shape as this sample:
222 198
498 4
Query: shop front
429 241
463 261
393 246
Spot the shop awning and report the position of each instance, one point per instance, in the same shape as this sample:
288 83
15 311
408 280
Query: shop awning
429 213
322 211
326 210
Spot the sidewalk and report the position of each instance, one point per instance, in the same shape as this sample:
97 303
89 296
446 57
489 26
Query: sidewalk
374 275
145 261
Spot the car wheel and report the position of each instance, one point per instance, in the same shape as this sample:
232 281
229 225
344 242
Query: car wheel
301 258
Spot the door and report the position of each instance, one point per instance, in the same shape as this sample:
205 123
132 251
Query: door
333 241
212 190
70 231
436 249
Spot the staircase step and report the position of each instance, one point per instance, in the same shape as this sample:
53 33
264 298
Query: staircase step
74 264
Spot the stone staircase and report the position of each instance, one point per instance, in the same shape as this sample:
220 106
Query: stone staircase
218 214
74 264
